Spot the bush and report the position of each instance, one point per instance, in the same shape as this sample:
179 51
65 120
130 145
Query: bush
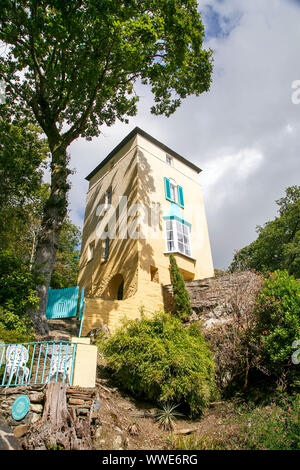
159 360
275 427
17 293
278 321
13 336
182 302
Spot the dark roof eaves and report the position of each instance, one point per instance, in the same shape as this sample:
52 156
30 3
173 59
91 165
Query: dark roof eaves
132 134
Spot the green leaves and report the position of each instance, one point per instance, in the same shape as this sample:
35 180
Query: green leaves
181 298
278 314
67 260
80 55
278 242
160 360
17 293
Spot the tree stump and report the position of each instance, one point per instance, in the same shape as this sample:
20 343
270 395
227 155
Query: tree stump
57 429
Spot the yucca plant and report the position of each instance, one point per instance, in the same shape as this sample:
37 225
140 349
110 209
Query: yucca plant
167 416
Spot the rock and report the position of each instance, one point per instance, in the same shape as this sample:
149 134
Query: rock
118 429
96 405
98 432
103 331
36 397
36 408
186 431
7 439
126 442
34 418
117 442
193 317
20 430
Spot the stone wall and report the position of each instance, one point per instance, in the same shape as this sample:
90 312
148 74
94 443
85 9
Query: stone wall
79 401
208 296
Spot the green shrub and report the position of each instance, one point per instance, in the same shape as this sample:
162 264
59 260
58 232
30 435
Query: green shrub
17 293
275 427
181 298
158 359
278 321
13 336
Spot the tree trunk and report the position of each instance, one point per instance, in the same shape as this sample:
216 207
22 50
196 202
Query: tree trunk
57 429
54 214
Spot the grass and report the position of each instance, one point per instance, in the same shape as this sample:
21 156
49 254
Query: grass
245 427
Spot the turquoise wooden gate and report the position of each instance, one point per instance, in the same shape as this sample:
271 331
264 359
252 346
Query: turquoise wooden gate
62 303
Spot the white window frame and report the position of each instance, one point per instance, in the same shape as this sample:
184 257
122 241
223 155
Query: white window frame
181 240
173 188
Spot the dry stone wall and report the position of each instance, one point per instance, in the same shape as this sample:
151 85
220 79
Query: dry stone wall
79 401
209 296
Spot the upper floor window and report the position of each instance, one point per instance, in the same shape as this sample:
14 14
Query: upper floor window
174 192
91 250
169 160
108 197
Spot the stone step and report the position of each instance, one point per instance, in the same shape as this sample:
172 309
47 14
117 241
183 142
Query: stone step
61 326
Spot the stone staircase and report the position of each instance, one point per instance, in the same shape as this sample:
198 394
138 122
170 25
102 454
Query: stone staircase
63 328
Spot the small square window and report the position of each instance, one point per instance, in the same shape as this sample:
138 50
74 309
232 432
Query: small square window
169 160
91 250
106 249
108 197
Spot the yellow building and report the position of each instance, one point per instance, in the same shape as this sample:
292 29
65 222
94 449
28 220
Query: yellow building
144 201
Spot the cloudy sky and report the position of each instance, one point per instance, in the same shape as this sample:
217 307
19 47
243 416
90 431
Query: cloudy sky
244 133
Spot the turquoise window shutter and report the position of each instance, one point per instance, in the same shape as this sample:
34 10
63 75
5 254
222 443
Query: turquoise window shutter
180 196
167 189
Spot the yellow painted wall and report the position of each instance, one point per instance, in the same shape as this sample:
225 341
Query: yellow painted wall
85 365
138 172
96 273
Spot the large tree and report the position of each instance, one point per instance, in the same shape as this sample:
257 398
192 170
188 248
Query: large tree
73 65
23 154
278 243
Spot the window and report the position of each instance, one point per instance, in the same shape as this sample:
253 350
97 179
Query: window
106 249
108 196
169 160
170 235
91 250
174 192
178 237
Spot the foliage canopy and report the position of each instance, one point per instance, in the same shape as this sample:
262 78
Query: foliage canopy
278 244
278 320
